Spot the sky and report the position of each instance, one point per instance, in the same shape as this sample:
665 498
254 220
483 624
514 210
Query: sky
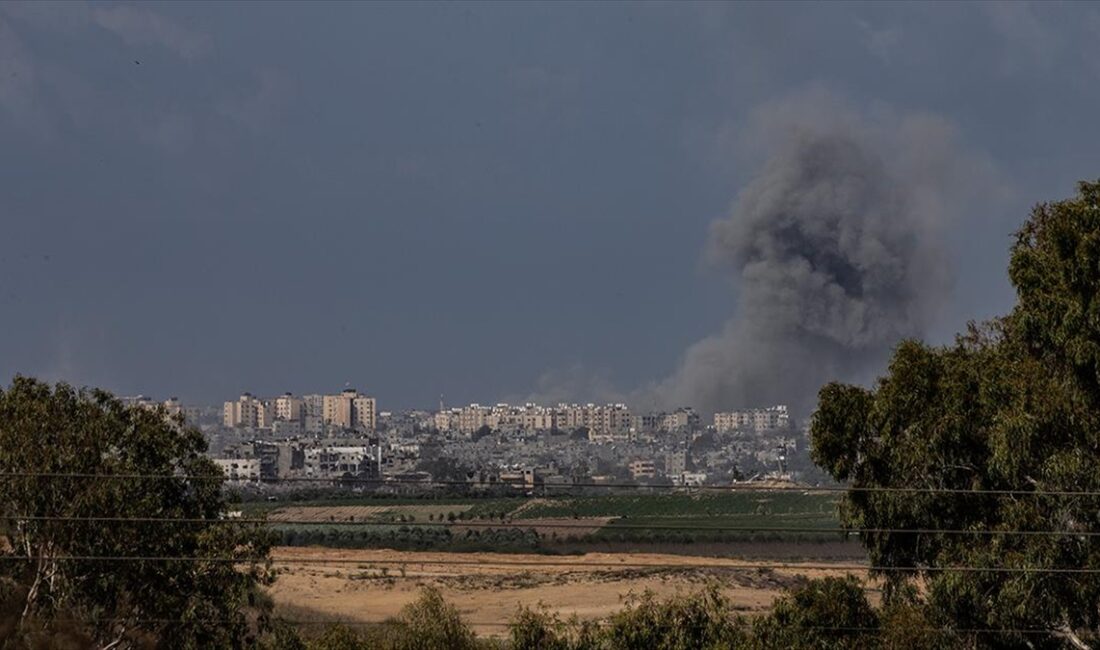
479 201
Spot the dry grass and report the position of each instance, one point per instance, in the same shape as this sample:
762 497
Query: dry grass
380 582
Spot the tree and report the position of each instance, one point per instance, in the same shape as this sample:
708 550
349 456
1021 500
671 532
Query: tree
703 620
1010 406
820 615
77 470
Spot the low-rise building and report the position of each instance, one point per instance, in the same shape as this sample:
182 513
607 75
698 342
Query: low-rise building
240 470
643 469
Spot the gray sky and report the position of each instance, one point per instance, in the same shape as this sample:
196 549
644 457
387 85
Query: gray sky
478 200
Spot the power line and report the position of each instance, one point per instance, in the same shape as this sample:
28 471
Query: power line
371 563
561 488
529 525
593 622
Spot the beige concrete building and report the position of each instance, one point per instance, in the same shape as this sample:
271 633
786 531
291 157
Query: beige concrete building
247 412
338 408
364 413
643 469
350 410
288 407
602 420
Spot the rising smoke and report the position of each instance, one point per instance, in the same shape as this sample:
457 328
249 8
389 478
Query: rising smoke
837 252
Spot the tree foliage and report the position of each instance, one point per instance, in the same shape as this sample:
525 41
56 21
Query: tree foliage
1010 406
64 503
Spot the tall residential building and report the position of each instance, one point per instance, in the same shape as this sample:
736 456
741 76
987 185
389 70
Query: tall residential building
350 410
247 412
364 413
338 409
288 407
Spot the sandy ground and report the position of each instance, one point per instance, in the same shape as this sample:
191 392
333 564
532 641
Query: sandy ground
488 588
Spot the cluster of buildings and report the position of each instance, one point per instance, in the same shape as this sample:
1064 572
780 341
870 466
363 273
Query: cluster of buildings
343 436
761 419
257 460
602 422
311 415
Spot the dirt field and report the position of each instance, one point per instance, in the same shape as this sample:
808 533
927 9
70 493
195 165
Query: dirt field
371 585
321 514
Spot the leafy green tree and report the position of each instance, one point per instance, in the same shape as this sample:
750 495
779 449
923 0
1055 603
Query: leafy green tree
431 622
826 614
72 489
1010 406
541 629
685 622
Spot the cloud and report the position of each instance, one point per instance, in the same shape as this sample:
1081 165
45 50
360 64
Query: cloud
137 25
1028 42
17 78
259 105
882 42
173 133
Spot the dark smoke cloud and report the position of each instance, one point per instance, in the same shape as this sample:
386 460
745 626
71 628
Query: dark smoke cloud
837 250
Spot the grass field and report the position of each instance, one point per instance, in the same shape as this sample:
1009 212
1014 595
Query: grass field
550 524
702 505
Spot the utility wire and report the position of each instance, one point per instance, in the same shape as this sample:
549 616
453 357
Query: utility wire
370 563
528 525
356 623
561 488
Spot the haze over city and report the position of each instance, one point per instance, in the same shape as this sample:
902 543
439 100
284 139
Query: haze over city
495 202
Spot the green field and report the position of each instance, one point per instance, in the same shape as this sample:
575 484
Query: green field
711 517
702 505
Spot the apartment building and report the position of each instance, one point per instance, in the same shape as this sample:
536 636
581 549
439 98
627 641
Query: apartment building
643 469
600 420
288 407
349 410
247 412
311 414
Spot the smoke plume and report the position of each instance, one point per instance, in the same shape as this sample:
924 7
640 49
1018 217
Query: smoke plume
837 252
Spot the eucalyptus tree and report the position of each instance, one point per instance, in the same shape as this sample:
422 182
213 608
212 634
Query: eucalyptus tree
114 522
993 443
